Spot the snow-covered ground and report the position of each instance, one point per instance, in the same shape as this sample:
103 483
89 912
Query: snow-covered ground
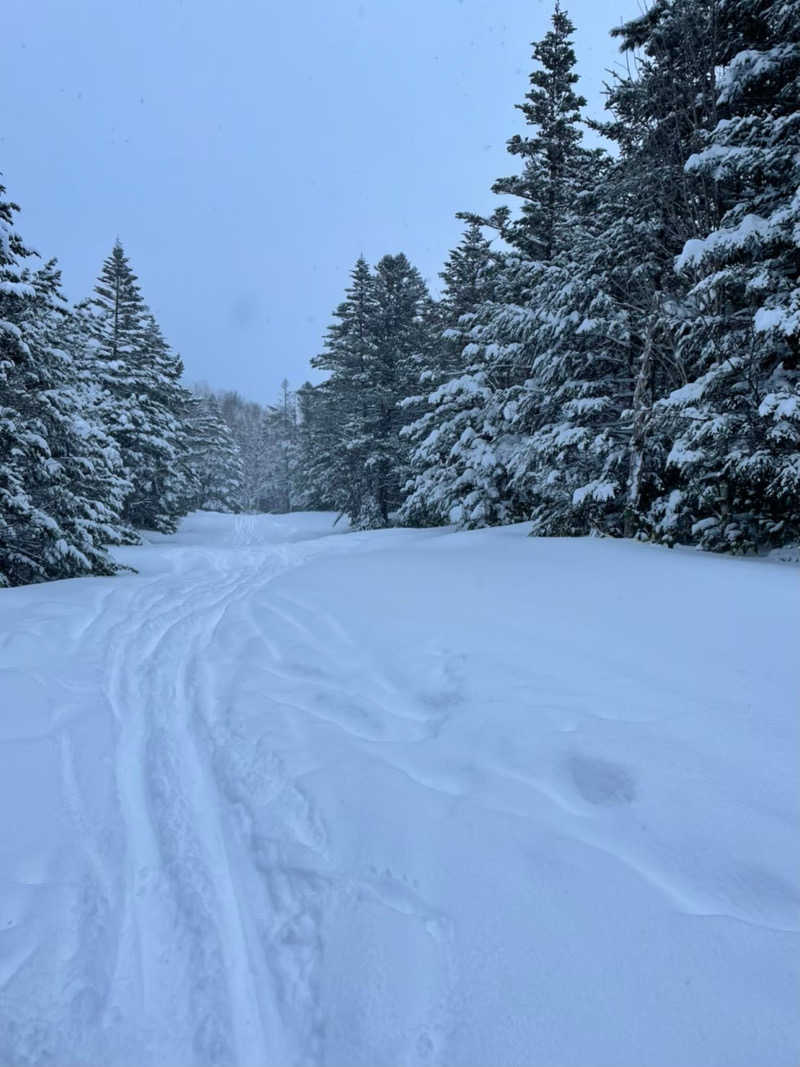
408 797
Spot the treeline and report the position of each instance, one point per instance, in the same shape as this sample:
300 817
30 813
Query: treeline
622 357
617 354
267 437
98 437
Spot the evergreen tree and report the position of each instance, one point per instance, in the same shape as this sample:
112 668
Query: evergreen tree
213 459
549 156
280 490
735 458
59 474
505 341
141 375
600 326
405 338
382 336
444 437
317 437
244 419
346 401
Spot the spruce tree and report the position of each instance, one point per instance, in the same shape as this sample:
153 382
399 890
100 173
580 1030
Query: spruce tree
141 375
59 474
383 334
347 402
451 391
213 460
280 489
549 155
405 339
735 457
244 418
317 438
601 326
556 169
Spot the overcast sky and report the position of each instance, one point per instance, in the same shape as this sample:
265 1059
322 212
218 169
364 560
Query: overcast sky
246 153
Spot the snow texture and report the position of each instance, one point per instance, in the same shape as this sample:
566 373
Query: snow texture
402 797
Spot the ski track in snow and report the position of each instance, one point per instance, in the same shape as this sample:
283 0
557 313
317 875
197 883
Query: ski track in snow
201 911
211 935
190 871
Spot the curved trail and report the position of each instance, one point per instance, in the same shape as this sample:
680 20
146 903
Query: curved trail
218 937
214 892
284 798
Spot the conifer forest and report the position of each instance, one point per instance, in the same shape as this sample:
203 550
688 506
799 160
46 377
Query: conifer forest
399 647
614 350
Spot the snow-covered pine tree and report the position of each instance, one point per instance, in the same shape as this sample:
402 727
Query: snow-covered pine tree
552 110
141 375
600 329
280 491
660 114
317 438
244 418
577 332
505 338
341 419
213 459
60 476
88 486
444 461
21 448
405 337
735 458
383 334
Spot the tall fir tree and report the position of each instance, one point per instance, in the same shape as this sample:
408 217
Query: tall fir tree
444 462
213 460
552 110
317 434
504 335
405 337
344 416
353 453
735 456
141 375
601 321
60 476
280 490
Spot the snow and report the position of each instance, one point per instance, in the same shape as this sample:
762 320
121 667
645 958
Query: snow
777 318
749 66
723 241
466 385
599 490
298 795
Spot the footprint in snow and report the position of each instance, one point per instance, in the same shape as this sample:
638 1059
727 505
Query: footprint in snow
601 782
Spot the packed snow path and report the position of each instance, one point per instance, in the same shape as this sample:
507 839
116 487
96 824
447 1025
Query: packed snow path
288 796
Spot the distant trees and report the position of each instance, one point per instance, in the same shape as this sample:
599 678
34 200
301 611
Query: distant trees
213 458
280 489
266 442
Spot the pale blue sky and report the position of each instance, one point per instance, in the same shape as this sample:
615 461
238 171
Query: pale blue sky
246 153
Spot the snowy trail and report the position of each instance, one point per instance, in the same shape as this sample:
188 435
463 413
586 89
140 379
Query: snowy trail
289 797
